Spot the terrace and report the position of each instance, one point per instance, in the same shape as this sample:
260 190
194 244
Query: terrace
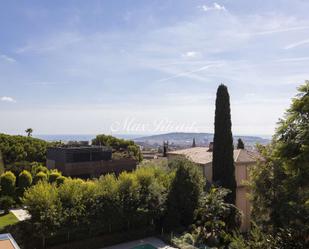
147 243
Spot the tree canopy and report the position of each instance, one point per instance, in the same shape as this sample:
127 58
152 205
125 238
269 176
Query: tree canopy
29 132
183 198
240 144
20 148
109 204
280 187
127 147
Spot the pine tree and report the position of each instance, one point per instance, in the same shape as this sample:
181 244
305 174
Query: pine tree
223 161
29 132
193 143
240 144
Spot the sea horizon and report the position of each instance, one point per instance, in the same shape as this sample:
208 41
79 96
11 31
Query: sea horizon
89 137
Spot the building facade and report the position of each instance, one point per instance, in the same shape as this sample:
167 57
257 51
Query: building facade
86 161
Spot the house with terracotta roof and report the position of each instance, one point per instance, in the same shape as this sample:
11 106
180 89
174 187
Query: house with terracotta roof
7 242
243 158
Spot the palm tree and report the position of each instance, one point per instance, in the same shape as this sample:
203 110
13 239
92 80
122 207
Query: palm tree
29 132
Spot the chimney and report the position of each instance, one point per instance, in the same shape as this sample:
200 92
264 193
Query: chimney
210 146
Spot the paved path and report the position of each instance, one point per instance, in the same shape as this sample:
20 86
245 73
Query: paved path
21 214
150 240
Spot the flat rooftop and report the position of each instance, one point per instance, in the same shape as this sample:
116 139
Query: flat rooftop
90 147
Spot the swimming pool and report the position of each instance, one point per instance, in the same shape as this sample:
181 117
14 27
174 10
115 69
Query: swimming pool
145 246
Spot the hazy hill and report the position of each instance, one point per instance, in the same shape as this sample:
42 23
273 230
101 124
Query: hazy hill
184 139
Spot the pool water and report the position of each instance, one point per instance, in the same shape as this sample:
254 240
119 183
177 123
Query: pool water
146 246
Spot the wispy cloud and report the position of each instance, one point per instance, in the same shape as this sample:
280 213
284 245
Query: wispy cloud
297 44
7 58
190 54
46 83
188 73
294 59
8 99
274 31
178 53
214 6
55 42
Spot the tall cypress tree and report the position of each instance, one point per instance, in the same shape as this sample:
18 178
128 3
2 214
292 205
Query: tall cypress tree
193 143
223 170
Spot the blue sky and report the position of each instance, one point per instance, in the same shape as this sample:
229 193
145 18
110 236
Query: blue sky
87 67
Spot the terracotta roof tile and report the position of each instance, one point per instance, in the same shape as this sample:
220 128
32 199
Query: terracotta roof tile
201 155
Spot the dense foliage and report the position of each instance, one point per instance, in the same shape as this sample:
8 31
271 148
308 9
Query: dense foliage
1 164
14 187
54 175
258 239
41 176
6 202
215 222
109 204
44 205
280 187
24 181
20 148
184 195
157 196
128 147
7 183
223 161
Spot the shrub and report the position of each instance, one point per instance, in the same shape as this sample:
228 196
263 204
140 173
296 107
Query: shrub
53 176
216 218
37 167
259 239
24 180
60 180
41 176
6 202
184 195
7 183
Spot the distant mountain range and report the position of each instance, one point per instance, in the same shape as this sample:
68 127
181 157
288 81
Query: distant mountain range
183 139
175 139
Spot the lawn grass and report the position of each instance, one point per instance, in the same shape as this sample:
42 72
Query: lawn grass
7 219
